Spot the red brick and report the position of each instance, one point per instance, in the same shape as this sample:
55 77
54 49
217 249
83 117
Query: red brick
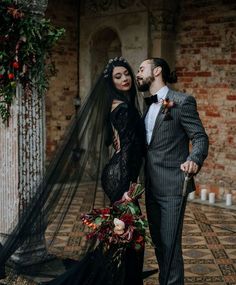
202 91
212 112
230 139
186 79
190 74
231 156
220 61
204 74
231 97
219 166
221 85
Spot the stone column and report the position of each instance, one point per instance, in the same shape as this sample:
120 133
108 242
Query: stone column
162 27
22 155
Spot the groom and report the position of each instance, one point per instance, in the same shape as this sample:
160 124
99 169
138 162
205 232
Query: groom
171 123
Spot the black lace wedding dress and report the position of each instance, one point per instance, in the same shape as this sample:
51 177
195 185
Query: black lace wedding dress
97 267
124 166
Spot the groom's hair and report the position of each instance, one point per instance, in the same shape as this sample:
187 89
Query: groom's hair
167 76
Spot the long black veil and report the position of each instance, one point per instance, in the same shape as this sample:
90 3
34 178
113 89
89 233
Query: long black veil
81 157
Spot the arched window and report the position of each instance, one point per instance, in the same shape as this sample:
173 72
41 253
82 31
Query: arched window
105 44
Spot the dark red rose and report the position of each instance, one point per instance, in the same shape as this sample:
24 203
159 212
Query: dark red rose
127 219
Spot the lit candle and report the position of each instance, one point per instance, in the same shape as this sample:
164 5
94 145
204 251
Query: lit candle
228 199
191 195
203 194
212 198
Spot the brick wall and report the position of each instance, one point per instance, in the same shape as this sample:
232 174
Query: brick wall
64 86
206 66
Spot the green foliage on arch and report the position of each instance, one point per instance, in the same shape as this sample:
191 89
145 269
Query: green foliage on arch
26 43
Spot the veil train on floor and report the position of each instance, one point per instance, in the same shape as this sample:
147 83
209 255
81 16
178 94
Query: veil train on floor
80 158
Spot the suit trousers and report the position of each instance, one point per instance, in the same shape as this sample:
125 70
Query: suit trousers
162 214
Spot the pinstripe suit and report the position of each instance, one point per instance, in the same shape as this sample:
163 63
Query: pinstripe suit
168 149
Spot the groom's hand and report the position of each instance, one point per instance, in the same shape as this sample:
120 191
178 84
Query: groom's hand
189 167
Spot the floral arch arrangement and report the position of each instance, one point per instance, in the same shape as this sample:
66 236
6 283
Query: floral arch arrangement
26 43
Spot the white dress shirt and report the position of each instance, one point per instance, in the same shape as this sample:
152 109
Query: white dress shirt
153 111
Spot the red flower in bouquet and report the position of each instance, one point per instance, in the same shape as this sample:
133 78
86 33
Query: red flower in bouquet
128 219
105 211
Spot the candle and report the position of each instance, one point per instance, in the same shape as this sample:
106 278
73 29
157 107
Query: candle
203 194
212 198
228 199
191 195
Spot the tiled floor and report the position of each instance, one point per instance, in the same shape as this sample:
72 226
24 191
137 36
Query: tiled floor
209 246
209 241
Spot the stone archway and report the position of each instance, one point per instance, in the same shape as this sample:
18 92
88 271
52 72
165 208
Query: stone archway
105 44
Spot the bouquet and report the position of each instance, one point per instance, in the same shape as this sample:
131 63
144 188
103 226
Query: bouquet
122 225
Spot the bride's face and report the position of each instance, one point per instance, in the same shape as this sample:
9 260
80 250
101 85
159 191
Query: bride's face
121 78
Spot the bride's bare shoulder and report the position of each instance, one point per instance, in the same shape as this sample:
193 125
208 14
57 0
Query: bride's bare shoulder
115 104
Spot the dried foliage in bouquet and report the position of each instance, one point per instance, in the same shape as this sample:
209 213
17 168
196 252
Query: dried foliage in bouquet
120 226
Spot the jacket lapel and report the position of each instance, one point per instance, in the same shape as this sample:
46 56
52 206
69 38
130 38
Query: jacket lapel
159 120
160 117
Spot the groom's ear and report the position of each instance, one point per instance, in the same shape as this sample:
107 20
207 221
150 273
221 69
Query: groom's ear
157 71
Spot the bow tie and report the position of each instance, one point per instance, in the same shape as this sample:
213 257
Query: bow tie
151 99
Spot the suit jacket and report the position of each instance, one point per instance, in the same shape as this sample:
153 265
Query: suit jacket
170 144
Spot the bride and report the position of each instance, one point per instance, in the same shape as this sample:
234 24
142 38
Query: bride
109 114
126 127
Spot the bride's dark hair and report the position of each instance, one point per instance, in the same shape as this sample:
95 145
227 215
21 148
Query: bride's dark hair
129 97
81 157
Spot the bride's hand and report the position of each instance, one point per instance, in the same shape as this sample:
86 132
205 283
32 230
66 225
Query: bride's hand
126 197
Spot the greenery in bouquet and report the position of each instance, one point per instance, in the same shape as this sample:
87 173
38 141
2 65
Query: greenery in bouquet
122 224
26 42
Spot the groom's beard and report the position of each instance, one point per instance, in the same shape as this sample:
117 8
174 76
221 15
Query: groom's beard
145 84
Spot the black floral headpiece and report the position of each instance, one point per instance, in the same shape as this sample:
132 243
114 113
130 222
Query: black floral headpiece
112 63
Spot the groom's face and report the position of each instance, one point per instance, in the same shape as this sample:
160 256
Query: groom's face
145 76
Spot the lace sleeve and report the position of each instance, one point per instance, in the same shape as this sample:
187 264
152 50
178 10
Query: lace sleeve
127 122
